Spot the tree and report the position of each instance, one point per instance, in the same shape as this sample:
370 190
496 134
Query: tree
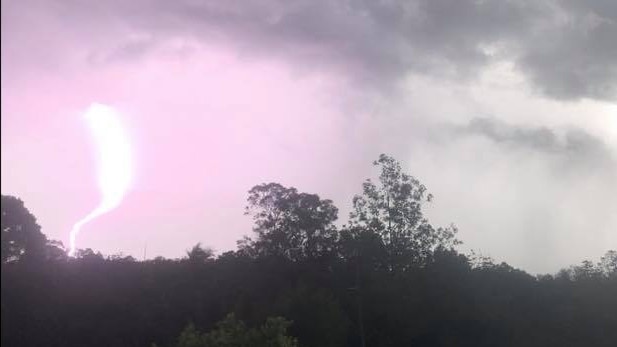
55 251
232 332
585 271
608 264
199 254
88 255
273 333
351 299
291 224
190 337
21 235
392 209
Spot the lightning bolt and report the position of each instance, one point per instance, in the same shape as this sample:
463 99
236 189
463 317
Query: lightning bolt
114 163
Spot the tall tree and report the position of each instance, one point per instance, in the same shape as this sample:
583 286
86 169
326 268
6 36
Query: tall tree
21 235
608 264
289 223
392 209
199 254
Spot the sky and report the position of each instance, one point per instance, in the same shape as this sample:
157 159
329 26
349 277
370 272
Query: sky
505 110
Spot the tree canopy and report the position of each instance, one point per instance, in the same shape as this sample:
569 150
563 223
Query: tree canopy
21 235
386 277
291 224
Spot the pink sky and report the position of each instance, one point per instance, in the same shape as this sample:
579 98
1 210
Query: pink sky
218 98
204 130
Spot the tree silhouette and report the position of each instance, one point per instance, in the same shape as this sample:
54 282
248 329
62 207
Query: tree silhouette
21 235
291 224
392 209
199 254
388 278
608 264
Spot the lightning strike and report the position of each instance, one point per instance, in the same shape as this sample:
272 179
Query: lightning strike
114 163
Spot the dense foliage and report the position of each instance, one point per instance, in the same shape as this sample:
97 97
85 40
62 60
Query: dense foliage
232 332
386 278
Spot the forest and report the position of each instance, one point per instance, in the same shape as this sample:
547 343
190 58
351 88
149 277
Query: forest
384 277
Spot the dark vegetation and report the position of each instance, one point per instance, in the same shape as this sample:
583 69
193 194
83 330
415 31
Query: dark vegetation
386 278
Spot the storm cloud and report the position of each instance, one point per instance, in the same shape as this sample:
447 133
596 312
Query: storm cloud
574 148
564 48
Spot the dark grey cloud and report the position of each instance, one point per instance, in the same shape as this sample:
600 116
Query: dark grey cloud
576 57
565 48
574 149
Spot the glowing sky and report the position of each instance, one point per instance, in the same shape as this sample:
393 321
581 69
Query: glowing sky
505 110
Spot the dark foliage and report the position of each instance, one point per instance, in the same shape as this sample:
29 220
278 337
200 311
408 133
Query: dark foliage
387 278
